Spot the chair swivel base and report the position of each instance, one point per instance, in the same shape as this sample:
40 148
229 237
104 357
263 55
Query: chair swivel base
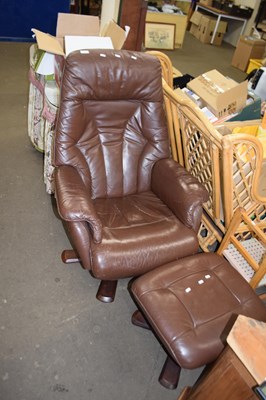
70 256
106 291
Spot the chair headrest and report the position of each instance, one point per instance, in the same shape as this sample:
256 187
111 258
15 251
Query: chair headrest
112 75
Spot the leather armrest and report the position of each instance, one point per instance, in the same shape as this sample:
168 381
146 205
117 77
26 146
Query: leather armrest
73 200
180 191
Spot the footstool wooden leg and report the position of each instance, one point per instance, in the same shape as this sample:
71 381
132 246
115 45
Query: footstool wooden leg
138 319
170 373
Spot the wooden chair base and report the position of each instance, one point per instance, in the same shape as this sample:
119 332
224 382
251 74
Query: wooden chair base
170 374
106 291
70 256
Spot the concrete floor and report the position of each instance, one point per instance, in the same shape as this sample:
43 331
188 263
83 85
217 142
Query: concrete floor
56 340
196 58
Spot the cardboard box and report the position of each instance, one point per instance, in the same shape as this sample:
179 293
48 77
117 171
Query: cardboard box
220 94
218 39
196 18
183 5
194 30
251 111
206 2
76 32
195 24
202 27
207 26
246 49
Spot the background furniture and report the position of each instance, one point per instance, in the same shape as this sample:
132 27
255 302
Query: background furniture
238 370
226 379
221 14
179 20
261 18
127 207
215 159
191 304
89 7
133 14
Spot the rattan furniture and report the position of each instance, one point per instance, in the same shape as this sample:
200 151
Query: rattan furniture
228 165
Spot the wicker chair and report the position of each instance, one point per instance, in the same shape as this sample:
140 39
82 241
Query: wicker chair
228 165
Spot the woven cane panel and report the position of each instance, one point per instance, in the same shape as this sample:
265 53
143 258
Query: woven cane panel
198 158
244 166
255 250
243 172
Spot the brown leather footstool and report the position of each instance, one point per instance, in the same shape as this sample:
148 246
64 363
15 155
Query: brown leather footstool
191 305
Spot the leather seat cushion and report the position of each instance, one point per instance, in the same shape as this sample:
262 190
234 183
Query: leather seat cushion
139 233
192 303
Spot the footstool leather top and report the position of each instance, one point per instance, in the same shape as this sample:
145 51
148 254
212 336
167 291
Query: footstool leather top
192 303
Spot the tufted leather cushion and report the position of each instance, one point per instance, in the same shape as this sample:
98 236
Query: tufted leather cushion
105 129
190 302
133 236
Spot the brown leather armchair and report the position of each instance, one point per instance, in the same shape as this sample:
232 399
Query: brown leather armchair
127 207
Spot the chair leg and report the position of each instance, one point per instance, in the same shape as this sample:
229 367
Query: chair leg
138 319
170 373
106 291
70 256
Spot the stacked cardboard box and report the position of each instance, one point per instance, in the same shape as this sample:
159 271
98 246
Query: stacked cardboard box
202 27
195 24
207 25
247 48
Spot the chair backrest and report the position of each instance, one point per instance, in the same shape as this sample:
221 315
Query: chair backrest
111 125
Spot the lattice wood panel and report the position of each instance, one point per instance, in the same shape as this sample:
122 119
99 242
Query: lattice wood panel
209 236
198 160
244 164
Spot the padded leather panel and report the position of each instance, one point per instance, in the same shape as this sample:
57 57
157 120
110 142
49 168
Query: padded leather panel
190 304
139 233
105 129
